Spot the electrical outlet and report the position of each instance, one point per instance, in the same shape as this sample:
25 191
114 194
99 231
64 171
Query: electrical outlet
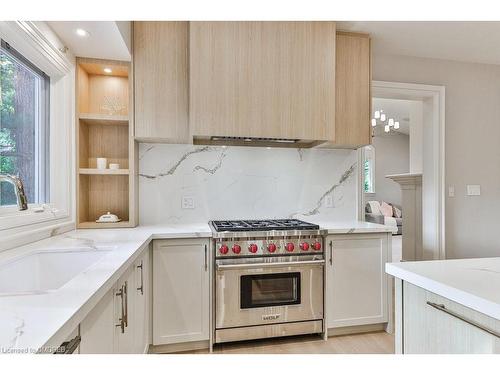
328 201
473 189
187 203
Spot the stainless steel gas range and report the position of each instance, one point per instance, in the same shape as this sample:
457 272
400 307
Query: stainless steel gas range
269 277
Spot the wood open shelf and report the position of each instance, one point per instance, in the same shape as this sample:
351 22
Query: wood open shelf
104 171
94 225
100 119
104 130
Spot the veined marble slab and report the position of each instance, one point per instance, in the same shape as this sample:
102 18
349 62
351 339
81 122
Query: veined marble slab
474 283
245 183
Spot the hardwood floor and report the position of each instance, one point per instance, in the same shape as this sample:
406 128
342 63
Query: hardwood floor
364 343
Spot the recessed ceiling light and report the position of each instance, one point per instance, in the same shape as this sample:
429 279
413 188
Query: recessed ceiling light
81 32
107 70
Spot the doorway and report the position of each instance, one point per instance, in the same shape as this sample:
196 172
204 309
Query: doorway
427 102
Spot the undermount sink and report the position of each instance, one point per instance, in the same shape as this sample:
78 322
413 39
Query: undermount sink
45 271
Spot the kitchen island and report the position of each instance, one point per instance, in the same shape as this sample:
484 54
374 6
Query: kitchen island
447 306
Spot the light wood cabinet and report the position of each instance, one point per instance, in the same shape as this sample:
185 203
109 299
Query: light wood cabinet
101 332
433 324
262 79
181 291
356 283
353 90
104 129
161 81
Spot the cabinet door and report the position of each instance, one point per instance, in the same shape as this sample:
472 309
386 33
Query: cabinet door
98 328
161 81
124 306
356 292
353 94
429 330
142 301
181 291
262 79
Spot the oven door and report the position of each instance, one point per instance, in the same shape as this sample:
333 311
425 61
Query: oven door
268 290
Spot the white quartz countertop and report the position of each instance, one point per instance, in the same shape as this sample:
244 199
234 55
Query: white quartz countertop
347 227
474 283
32 322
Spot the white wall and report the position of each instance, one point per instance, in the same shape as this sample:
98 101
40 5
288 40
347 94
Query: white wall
416 136
472 152
245 183
392 152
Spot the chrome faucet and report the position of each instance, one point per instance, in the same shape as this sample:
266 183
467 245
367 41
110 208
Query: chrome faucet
22 201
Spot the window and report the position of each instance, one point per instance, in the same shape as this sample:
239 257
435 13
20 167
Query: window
24 126
369 169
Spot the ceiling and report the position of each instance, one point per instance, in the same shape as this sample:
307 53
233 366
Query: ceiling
397 109
450 40
107 39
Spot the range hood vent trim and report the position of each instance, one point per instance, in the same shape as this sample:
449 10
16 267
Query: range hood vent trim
253 139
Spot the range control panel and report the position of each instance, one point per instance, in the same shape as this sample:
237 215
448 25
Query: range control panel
268 246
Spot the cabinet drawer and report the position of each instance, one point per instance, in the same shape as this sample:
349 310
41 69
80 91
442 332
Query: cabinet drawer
434 324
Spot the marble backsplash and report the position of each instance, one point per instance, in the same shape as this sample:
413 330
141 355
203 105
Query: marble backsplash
245 183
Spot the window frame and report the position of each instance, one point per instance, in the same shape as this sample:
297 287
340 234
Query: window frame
39 44
369 156
42 129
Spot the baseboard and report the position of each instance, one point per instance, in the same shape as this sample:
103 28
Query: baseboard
179 347
339 331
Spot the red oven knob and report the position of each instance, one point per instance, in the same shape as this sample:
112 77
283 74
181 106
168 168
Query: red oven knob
316 245
289 247
223 249
253 248
304 246
236 249
271 248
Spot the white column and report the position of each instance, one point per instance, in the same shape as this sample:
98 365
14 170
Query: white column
411 189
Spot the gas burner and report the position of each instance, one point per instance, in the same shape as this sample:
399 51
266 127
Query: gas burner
261 225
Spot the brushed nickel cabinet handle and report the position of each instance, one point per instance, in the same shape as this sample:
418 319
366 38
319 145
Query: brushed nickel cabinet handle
206 258
443 308
331 253
125 292
122 318
141 288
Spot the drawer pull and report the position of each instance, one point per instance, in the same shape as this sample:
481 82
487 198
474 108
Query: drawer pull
443 308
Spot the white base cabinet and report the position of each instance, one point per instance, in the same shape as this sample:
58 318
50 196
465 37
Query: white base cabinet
181 291
356 283
431 324
120 322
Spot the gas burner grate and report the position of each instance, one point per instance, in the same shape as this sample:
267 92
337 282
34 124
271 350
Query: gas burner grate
262 225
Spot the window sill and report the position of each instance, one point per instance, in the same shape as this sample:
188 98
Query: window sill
11 218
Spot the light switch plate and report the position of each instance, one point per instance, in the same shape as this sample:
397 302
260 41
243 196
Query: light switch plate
451 191
473 189
187 203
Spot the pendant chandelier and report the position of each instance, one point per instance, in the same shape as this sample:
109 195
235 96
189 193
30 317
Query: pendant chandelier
380 118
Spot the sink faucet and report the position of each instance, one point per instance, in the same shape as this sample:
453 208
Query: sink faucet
22 201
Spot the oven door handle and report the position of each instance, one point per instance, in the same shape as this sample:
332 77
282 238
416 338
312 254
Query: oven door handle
222 267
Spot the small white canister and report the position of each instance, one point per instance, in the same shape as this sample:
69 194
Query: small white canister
102 163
